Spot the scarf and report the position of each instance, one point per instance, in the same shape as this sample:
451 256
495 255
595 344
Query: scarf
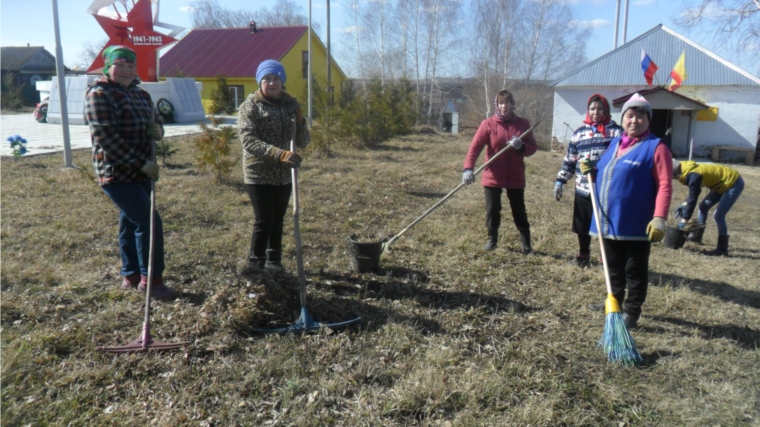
600 126
627 141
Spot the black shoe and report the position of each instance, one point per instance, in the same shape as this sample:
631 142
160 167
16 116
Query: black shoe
491 245
630 321
583 262
525 241
722 249
256 262
596 307
274 260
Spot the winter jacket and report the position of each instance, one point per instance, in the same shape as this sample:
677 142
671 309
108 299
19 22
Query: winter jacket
264 126
695 176
119 117
587 143
508 170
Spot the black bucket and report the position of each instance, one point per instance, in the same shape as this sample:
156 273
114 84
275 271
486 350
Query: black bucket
365 257
674 238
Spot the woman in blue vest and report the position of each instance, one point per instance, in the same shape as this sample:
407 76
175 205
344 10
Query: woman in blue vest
633 188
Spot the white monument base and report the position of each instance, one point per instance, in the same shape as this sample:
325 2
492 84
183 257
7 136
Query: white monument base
183 93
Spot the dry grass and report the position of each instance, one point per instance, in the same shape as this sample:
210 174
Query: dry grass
450 335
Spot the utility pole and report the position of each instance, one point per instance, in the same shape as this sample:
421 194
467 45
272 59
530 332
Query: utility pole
617 22
625 22
61 71
329 77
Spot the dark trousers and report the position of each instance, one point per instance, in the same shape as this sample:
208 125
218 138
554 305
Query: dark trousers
582 216
628 265
270 203
493 210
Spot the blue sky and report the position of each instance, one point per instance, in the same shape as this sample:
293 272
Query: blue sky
31 21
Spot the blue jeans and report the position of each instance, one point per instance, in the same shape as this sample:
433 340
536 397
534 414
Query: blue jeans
725 201
133 200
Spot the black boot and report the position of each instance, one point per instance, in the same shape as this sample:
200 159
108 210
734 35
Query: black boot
256 262
631 321
525 240
491 245
274 259
722 249
696 235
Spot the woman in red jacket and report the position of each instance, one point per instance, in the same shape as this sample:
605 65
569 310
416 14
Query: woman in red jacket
507 171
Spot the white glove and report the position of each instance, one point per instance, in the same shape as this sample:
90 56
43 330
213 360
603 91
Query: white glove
516 143
150 169
468 177
154 131
558 191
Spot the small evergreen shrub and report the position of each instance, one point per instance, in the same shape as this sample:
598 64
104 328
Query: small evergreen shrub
165 150
221 98
213 147
12 93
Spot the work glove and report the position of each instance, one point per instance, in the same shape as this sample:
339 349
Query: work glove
468 177
656 229
681 210
150 169
287 157
516 143
682 224
154 131
558 191
586 166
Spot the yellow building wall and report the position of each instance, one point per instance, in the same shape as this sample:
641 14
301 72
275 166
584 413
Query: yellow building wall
295 84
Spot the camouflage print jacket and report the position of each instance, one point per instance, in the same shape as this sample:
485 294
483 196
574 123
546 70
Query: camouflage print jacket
264 126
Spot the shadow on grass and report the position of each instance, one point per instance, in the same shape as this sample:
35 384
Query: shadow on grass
176 166
282 307
426 194
652 358
392 148
743 336
732 252
723 291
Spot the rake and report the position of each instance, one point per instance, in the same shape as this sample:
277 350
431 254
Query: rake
616 341
146 342
305 322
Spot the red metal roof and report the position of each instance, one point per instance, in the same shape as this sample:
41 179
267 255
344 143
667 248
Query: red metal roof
233 52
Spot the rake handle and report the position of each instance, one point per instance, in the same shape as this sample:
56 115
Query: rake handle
600 233
151 245
452 192
296 219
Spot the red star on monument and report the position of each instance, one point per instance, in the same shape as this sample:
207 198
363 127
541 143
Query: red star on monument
136 32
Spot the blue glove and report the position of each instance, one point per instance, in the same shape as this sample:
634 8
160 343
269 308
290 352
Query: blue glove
468 177
681 210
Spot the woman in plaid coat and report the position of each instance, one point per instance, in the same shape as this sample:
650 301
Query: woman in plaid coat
123 124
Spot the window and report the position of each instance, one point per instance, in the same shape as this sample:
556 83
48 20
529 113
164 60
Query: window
305 63
237 95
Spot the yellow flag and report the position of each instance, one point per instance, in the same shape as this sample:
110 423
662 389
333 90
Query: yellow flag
679 72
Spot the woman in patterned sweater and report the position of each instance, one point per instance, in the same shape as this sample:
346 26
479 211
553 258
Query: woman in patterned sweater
589 142
265 126
123 124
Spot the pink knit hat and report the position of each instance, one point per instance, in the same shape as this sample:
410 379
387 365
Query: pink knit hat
638 101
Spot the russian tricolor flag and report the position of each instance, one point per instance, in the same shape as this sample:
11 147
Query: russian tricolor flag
648 66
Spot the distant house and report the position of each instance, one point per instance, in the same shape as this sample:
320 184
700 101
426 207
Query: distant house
718 104
205 54
29 64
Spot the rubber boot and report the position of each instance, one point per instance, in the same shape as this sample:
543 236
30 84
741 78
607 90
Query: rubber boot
525 240
274 260
631 321
696 235
491 245
722 249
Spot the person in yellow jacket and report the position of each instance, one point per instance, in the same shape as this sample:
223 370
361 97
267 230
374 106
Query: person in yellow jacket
725 185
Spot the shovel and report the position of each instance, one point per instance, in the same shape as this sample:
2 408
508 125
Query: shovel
387 244
305 322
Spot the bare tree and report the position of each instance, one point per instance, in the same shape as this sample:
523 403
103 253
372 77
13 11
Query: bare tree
376 20
731 22
441 33
210 14
90 51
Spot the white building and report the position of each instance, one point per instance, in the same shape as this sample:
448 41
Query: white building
718 104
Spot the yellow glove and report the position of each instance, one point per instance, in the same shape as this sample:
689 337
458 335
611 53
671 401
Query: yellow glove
586 166
656 229
154 131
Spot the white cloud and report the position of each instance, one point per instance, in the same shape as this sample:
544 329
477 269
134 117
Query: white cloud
594 23
187 9
351 29
643 2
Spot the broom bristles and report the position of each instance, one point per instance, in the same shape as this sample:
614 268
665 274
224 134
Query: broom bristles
617 342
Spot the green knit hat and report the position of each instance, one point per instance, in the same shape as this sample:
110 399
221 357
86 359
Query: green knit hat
118 53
